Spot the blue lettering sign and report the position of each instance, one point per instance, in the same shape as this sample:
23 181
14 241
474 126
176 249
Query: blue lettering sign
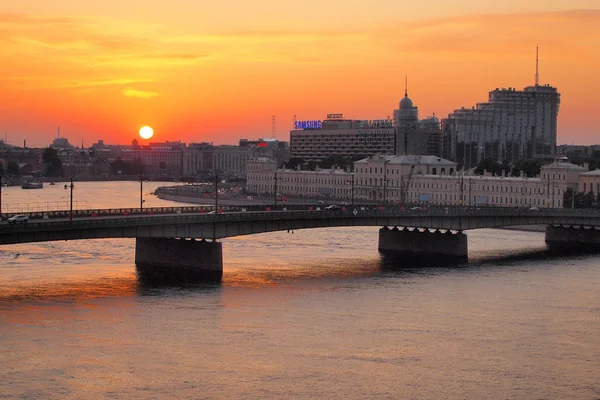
307 125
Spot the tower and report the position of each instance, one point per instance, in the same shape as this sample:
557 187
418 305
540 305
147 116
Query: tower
537 64
273 127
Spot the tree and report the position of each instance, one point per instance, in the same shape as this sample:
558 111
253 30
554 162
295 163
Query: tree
120 167
53 162
12 169
294 162
530 168
568 199
493 167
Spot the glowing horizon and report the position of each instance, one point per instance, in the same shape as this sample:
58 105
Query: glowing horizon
100 73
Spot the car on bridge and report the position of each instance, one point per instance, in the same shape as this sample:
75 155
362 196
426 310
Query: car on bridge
22 218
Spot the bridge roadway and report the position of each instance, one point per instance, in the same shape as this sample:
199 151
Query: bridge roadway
188 222
164 251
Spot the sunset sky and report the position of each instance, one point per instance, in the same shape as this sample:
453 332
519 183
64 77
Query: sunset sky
217 71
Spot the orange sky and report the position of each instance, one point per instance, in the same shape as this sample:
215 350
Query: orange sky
201 71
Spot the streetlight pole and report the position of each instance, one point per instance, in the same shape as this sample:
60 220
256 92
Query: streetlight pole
385 180
275 200
353 189
462 188
141 191
71 202
470 188
216 193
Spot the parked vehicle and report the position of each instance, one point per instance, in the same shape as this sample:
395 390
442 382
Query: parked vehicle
22 218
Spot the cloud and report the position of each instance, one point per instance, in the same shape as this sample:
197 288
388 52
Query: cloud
131 92
494 35
104 82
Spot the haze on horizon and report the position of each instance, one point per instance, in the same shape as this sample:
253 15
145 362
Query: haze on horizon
217 72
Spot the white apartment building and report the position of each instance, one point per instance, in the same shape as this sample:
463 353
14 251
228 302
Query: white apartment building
512 125
590 182
417 179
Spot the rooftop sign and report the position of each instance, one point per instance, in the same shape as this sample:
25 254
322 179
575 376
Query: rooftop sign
307 124
335 116
376 123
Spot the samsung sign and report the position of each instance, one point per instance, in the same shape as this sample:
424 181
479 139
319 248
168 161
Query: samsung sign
307 124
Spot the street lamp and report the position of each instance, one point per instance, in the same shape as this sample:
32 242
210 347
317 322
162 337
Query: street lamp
216 193
353 189
470 188
141 190
71 200
275 187
385 179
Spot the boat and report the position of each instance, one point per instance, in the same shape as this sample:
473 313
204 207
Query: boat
52 183
32 185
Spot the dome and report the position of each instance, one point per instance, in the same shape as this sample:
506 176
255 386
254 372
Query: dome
406 103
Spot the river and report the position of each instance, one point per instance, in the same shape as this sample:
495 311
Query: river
309 314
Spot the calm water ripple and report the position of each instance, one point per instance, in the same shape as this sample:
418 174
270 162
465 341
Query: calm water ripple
314 314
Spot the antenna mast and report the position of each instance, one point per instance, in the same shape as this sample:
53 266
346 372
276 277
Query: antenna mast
273 127
537 64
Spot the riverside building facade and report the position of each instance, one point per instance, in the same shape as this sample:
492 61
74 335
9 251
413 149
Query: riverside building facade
386 179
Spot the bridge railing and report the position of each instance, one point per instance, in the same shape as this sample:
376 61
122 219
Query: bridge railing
408 209
123 217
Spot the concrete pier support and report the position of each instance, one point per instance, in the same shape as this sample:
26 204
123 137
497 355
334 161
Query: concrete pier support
558 237
178 260
431 244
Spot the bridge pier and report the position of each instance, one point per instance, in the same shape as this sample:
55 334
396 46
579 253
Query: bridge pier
165 260
558 237
426 243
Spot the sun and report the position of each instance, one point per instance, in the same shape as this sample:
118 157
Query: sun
146 132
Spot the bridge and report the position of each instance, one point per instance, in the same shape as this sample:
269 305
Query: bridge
184 238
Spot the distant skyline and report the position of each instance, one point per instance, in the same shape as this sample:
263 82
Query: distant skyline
218 72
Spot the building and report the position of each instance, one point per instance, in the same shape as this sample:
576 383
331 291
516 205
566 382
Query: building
355 139
388 179
198 159
231 160
571 150
340 137
207 159
263 178
158 159
513 125
414 136
61 143
589 182
270 148
384 178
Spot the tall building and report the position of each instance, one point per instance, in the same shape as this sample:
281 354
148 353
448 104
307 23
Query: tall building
341 137
205 158
513 125
414 136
